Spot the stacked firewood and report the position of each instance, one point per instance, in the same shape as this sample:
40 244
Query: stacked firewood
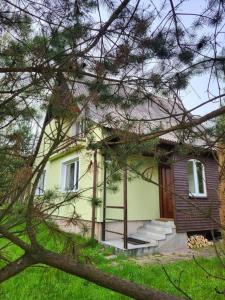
198 241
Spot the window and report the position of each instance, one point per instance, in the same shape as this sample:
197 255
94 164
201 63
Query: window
196 178
70 175
78 128
41 184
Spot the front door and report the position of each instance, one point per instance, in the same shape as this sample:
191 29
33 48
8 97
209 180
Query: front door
166 188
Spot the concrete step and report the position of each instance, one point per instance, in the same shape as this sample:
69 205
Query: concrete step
160 236
165 224
145 237
158 229
152 235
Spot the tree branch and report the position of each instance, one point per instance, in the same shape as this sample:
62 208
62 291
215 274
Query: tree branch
14 239
15 267
175 23
103 29
182 125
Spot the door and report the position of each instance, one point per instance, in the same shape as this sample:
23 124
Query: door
166 188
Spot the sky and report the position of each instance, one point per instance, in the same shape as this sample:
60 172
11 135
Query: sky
196 93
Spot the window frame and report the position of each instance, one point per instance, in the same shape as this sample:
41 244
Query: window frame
64 165
38 191
78 129
196 182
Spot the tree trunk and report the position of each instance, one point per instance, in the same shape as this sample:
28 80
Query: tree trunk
16 267
103 279
38 254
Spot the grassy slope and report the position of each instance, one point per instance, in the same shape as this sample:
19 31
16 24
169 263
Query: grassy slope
46 283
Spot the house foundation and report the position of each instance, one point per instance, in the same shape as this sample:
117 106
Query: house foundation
144 237
83 227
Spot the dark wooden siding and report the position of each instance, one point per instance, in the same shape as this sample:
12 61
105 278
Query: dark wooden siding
195 214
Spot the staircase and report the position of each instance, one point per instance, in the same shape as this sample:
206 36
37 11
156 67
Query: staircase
154 231
159 237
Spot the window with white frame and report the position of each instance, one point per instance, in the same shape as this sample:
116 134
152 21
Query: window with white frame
78 128
70 175
41 184
196 178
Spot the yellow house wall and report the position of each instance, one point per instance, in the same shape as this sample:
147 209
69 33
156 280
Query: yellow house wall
143 196
54 167
53 182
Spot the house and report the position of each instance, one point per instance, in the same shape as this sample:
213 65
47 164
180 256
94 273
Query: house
165 189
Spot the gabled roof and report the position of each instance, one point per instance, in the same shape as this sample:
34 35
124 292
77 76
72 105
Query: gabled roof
151 114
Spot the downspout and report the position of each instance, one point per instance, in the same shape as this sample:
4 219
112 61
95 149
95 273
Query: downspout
94 195
221 159
125 206
104 199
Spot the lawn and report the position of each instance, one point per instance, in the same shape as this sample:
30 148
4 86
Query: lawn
42 283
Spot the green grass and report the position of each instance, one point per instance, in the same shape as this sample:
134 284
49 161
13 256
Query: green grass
42 283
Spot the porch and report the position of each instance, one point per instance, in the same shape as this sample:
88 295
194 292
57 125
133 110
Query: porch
135 203
146 236
156 236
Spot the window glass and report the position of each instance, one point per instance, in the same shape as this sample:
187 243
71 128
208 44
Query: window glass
78 128
71 173
191 177
77 175
41 184
70 176
83 126
199 168
196 178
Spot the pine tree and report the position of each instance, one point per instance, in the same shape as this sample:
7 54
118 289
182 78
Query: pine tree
49 48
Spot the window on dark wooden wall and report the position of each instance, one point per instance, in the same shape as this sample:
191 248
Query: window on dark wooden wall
196 178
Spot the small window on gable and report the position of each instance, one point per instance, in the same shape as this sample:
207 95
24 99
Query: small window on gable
41 184
196 178
78 128
70 175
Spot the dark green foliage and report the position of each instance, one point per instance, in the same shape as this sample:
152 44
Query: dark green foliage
219 129
141 25
156 80
202 43
111 66
147 49
8 168
159 46
50 195
186 56
15 148
100 90
180 81
96 201
17 217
